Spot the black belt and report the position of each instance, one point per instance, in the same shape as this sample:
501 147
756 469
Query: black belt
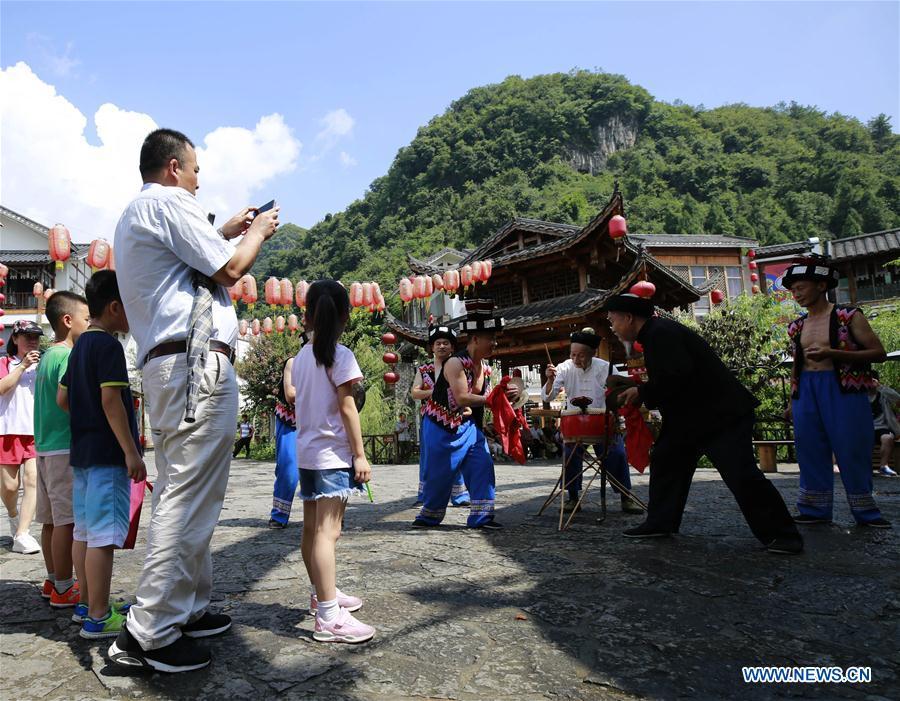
173 347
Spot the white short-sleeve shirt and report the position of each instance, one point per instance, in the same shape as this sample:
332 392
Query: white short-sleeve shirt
162 236
580 383
322 442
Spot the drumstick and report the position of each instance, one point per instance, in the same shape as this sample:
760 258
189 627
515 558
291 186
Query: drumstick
549 359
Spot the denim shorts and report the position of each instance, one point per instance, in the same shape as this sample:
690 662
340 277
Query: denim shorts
326 484
101 501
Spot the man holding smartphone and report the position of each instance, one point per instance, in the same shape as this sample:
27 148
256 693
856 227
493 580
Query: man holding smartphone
162 241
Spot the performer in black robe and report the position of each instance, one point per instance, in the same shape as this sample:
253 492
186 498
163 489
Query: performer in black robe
705 411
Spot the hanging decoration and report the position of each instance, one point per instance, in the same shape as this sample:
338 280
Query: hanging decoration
60 244
300 293
98 254
248 291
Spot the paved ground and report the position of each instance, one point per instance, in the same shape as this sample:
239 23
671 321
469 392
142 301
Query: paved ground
526 613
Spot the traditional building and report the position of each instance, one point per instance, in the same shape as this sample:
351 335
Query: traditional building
550 279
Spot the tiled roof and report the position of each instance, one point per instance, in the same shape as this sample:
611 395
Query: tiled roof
427 267
39 256
30 223
866 245
536 226
693 240
783 249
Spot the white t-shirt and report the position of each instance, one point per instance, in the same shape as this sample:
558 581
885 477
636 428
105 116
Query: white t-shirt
162 236
580 383
322 442
17 405
245 430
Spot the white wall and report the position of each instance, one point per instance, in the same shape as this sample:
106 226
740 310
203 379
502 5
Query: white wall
15 236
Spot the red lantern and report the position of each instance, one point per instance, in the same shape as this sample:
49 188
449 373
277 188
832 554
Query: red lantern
287 292
248 290
429 286
755 289
243 327
406 290
751 254
273 291
618 227
235 292
391 378
356 294
254 327
279 323
465 276
37 290
437 282
637 347
752 265
293 324
388 338
60 244
48 293
488 269
300 294
419 287
390 358
367 296
98 254
478 271
379 303
4 271
451 281
644 288
754 277
267 325
112 259
716 296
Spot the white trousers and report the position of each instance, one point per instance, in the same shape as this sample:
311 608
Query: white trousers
192 464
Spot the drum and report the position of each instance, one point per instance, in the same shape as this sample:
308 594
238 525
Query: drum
575 425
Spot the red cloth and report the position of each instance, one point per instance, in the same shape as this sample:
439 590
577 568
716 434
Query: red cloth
638 438
507 421
134 512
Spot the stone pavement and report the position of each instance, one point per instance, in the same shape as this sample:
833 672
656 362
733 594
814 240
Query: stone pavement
525 613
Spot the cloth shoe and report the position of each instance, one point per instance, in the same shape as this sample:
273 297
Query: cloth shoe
886 471
786 546
806 520
70 597
184 655
108 627
876 523
344 629
25 544
491 525
208 624
276 524
645 531
351 603
630 506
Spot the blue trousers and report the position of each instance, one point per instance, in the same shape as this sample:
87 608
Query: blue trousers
616 463
286 473
827 422
447 457
459 495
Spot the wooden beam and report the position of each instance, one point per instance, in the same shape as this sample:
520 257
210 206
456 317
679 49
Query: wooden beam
530 348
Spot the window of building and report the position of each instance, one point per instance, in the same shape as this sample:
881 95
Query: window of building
509 294
734 281
698 279
557 284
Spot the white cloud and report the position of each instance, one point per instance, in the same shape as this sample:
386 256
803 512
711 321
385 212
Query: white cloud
51 173
59 64
347 160
336 125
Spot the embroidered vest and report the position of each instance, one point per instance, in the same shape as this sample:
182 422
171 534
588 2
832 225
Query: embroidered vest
442 408
426 372
852 378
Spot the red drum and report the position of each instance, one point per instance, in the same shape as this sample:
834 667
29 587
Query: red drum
575 426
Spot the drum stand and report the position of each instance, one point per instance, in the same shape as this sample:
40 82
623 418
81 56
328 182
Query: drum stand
589 461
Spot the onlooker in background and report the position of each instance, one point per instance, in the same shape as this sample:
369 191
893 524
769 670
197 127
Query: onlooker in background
68 315
286 473
887 427
401 428
18 371
245 435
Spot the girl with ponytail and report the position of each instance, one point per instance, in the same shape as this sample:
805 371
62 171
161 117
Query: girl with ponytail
330 456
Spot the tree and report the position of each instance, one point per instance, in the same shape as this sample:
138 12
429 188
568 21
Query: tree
880 131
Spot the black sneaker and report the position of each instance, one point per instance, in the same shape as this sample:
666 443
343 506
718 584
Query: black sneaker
208 624
181 656
807 520
645 531
276 524
491 525
786 546
877 523
419 523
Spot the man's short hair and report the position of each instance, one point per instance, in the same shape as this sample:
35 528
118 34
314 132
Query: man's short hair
160 147
101 290
60 304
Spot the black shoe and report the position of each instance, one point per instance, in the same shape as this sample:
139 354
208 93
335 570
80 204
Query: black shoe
786 545
491 525
630 506
208 624
806 520
461 504
181 656
276 524
645 531
417 502
419 523
877 523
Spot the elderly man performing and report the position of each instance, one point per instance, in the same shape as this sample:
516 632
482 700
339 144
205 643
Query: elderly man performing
705 411
442 343
585 375
174 269
452 438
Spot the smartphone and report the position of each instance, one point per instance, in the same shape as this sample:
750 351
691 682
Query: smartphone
265 208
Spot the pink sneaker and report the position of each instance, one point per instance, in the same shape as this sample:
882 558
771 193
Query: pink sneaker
351 603
343 629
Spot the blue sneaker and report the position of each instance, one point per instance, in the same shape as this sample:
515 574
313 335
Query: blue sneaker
108 627
81 610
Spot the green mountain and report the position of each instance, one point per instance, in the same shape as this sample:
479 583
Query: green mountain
551 147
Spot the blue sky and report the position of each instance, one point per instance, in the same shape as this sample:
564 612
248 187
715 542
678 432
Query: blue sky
384 69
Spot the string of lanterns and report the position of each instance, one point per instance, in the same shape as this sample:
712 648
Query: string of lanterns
416 287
